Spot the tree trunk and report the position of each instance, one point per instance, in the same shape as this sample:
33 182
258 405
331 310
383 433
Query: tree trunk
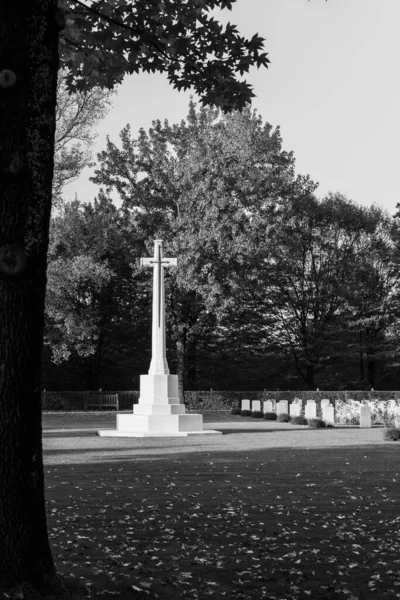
310 377
191 364
28 79
181 349
371 369
362 369
180 352
91 373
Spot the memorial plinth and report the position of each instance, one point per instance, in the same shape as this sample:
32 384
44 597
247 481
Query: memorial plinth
159 411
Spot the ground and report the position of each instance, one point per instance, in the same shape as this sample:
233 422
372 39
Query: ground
267 510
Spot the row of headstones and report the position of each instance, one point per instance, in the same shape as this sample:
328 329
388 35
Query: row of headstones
310 409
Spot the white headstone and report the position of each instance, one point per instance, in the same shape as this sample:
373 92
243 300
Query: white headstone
328 414
397 417
365 415
294 409
269 406
246 405
310 411
256 406
325 402
282 407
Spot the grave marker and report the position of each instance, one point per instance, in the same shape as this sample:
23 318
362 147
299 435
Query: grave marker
246 405
295 409
328 412
269 406
282 407
365 414
310 411
397 417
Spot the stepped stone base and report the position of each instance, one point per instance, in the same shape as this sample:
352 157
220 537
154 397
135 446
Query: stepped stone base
158 413
143 434
166 423
158 389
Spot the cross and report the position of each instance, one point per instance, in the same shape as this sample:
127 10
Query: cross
158 363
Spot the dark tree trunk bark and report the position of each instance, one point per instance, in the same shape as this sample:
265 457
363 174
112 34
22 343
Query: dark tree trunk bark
191 364
310 376
93 369
371 370
362 369
181 344
28 78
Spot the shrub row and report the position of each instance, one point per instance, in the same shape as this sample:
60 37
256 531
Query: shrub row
392 434
299 421
281 418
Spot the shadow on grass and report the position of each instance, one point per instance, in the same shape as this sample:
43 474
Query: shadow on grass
219 426
60 451
93 433
69 434
231 458
219 455
269 430
374 463
245 524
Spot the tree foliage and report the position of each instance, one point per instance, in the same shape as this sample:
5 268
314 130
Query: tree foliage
265 268
195 185
75 286
92 304
104 41
374 310
76 117
309 258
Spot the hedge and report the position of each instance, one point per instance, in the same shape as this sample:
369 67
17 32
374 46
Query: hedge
219 400
70 401
201 400
212 400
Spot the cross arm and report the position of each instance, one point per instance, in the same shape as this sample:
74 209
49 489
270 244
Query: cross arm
169 262
146 262
165 262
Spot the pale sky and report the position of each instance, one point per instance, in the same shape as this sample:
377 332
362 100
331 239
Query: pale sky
333 87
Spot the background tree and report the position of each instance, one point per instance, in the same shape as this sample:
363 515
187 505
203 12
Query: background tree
373 305
74 293
76 118
101 43
94 304
195 185
308 257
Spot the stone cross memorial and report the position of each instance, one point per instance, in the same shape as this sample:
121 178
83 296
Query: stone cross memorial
159 411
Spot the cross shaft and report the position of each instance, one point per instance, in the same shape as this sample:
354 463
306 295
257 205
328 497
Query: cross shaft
158 363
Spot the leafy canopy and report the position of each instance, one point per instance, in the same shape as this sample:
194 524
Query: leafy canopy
104 41
76 118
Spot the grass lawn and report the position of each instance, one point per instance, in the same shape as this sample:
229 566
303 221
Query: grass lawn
264 511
